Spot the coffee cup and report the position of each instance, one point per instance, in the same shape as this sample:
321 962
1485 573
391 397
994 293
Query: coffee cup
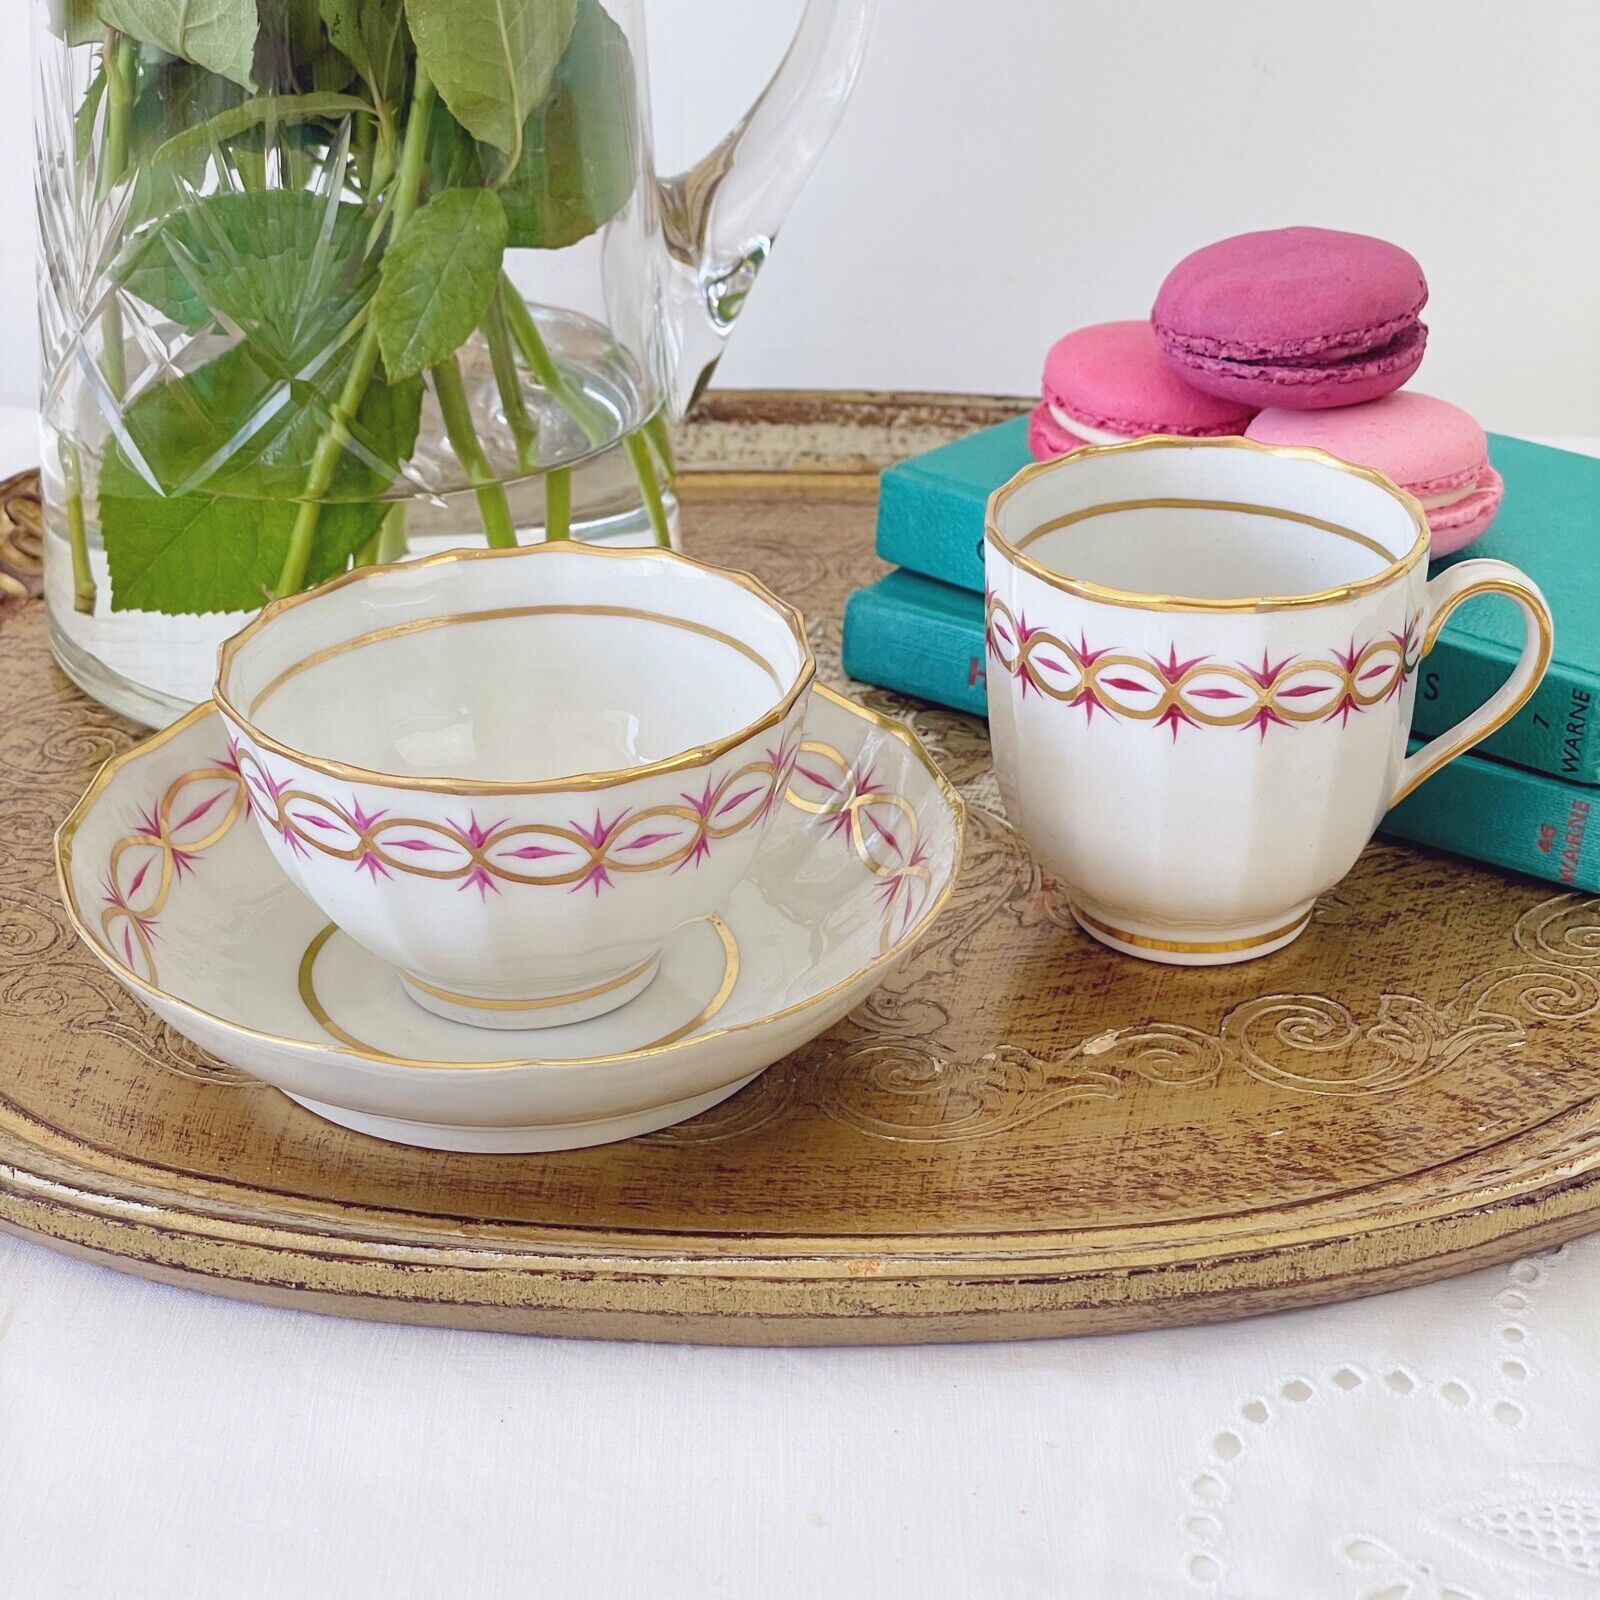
1202 660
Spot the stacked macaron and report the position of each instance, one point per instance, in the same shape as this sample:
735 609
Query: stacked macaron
1295 336
1299 318
1110 382
1431 448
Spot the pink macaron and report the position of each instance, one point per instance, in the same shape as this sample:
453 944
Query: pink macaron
1431 448
1301 318
1109 382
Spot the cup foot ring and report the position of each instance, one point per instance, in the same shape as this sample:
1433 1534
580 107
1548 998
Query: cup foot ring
544 1011
1193 947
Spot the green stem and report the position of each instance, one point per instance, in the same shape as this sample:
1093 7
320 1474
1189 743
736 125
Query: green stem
544 367
118 56
325 462
379 195
509 381
493 506
83 591
251 166
644 470
119 63
660 435
383 160
392 536
118 60
363 153
558 504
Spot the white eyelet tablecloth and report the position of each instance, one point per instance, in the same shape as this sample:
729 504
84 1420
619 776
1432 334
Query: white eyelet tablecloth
1438 1444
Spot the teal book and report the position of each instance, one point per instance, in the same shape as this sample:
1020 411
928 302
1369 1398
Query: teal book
930 521
919 637
924 638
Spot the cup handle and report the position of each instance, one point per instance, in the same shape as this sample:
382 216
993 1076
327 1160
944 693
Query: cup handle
1444 594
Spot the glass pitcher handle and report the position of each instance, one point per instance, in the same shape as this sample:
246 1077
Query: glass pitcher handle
721 216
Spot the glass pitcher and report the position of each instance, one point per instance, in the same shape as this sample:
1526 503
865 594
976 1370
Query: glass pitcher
327 282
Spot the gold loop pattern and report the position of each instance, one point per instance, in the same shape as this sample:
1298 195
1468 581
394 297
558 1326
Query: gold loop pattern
881 827
1205 690
482 856
193 814
197 810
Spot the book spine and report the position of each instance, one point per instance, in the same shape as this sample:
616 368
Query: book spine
1491 812
931 527
1554 733
897 647
1475 807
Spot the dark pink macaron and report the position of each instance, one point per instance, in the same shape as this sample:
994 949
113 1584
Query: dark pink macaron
1429 447
1109 382
1301 318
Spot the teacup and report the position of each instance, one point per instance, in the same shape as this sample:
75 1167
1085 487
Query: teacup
1202 659
514 775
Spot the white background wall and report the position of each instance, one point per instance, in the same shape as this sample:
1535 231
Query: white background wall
1012 168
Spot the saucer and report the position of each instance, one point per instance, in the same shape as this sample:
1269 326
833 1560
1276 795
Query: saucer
191 915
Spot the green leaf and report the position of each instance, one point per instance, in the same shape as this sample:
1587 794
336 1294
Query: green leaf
270 111
229 447
374 36
295 54
283 266
75 21
438 278
170 159
170 96
577 166
219 35
492 60
578 150
83 121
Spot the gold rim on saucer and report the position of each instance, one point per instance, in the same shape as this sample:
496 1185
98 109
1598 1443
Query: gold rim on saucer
306 980
698 756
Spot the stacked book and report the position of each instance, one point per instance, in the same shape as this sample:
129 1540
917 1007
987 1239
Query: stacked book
1524 799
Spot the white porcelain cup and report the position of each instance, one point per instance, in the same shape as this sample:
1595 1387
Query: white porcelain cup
513 775
1202 658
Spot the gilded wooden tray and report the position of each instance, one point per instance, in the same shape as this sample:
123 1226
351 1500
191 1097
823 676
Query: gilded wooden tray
1021 1134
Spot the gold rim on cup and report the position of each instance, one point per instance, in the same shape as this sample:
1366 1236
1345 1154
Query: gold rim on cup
1015 552
684 760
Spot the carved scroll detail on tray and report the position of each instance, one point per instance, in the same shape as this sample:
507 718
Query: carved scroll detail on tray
21 538
1565 929
907 1091
171 1052
1277 1038
899 1083
769 1099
